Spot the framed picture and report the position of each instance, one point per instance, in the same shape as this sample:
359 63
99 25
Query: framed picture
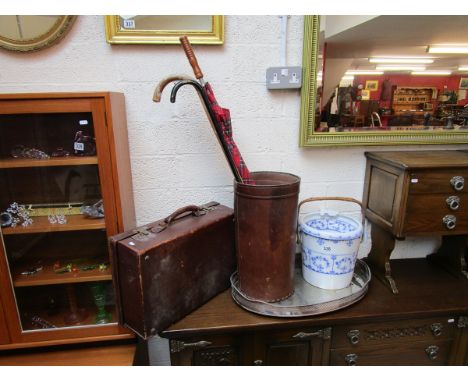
463 83
365 95
164 29
372 85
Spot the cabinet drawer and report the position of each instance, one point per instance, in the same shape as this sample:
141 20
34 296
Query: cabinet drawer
421 353
426 214
431 181
393 332
212 350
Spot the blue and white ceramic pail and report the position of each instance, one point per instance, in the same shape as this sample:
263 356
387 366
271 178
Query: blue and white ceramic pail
330 244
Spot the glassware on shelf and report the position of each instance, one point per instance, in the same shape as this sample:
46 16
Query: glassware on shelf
20 151
14 215
74 315
60 152
84 145
99 295
93 211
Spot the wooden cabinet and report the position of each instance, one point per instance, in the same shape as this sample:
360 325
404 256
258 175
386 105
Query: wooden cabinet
412 99
425 324
400 342
305 346
65 187
417 193
296 347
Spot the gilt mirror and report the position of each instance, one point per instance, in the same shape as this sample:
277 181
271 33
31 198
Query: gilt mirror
384 80
28 33
164 29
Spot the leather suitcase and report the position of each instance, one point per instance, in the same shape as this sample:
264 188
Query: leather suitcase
166 269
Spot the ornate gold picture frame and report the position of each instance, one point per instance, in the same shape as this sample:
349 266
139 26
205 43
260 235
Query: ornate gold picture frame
40 31
164 29
310 134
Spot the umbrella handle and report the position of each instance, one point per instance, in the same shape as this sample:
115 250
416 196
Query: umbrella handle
191 57
164 82
214 124
197 87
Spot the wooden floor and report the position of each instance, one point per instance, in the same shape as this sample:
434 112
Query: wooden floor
108 355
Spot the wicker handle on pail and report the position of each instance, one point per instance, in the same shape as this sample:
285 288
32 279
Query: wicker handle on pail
322 198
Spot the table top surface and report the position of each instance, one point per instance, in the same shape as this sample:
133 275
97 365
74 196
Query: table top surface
425 290
422 159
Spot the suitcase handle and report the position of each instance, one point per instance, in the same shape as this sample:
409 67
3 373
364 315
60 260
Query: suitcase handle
192 209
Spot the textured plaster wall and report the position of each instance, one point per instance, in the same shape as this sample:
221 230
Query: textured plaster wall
175 157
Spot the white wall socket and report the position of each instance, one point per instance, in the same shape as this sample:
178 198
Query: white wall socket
284 77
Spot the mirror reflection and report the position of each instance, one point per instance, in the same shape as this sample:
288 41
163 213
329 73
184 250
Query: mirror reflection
392 73
26 27
166 22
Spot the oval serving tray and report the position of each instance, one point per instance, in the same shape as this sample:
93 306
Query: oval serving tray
307 300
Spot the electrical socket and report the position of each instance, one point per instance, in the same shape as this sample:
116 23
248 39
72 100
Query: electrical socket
284 77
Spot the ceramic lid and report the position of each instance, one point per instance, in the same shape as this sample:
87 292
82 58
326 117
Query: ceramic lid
331 227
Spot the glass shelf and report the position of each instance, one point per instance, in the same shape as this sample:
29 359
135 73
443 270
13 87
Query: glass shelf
58 261
64 306
66 161
48 276
42 224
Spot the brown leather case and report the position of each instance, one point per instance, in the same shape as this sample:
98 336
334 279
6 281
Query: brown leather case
166 269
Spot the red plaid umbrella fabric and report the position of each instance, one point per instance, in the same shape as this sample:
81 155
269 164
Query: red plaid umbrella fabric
222 119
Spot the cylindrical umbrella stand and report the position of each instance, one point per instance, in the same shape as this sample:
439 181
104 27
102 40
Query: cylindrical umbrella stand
265 223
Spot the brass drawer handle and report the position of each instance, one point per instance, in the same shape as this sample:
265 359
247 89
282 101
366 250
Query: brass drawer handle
432 351
305 335
457 182
351 359
353 336
453 202
449 221
178 346
436 329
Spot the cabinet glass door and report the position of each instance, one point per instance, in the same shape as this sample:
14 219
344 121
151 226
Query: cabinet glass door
53 224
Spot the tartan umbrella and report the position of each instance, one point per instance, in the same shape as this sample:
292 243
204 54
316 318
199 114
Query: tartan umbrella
220 118
182 80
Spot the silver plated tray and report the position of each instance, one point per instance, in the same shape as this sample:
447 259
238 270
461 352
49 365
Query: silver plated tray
307 300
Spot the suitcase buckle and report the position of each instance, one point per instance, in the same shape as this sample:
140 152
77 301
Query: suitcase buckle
142 234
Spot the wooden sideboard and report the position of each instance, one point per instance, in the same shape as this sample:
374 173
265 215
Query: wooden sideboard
417 193
425 324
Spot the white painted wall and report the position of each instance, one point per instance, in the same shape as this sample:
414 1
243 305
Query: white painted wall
175 157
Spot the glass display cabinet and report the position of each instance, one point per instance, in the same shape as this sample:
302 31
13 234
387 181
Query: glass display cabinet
65 186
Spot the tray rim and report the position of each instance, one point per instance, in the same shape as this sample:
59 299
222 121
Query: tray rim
340 303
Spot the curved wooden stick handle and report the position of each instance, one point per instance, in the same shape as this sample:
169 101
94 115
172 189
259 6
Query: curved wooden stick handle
164 82
191 57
